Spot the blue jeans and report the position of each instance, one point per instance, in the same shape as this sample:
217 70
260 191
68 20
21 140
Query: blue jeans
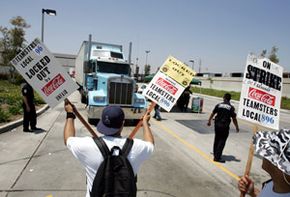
157 114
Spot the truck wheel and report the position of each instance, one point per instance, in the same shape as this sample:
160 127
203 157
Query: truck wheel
84 99
93 121
131 122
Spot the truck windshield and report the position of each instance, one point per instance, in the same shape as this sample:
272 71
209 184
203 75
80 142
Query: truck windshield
108 67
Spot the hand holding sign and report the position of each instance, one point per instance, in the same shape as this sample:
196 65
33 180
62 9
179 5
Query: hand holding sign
260 97
71 108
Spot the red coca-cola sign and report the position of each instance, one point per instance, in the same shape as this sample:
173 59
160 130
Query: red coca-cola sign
166 85
53 84
261 96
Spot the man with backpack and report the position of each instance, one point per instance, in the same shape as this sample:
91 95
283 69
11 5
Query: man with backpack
111 161
224 112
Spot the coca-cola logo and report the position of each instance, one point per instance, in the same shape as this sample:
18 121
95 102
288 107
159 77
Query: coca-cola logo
262 96
53 84
166 85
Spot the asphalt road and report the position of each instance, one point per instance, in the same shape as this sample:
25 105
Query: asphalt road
39 164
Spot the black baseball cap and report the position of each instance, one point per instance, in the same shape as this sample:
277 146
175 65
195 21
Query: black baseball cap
111 121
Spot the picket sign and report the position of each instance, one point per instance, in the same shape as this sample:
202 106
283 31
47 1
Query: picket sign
42 71
166 86
260 99
250 158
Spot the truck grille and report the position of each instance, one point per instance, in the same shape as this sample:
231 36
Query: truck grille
120 93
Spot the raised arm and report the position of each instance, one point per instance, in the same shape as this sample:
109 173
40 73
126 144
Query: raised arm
147 134
69 128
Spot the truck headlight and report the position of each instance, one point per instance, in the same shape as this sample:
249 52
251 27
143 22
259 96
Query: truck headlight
140 101
99 99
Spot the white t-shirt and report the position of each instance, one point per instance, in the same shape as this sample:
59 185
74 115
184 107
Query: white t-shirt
267 191
87 152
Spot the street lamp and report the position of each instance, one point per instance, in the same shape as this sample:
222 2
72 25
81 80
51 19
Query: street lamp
50 13
146 56
192 64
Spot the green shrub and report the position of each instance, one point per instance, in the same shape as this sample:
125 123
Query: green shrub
285 103
38 100
11 98
16 108
4 116
217 93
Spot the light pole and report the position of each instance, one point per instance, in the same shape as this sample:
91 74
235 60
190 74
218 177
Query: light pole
146 66
199 62
192 64
50 13
146 56
137 73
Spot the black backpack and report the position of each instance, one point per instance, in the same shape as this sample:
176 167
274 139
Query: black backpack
115 176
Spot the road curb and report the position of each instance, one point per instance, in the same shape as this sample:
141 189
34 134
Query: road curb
11 125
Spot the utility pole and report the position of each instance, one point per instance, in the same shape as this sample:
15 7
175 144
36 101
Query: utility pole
199 69
50 13
192 64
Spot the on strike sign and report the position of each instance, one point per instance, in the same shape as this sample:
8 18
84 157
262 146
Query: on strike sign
261 92
42 71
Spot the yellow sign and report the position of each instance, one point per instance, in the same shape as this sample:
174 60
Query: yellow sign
178 71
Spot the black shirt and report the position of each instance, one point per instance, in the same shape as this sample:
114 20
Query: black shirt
225 111
27 91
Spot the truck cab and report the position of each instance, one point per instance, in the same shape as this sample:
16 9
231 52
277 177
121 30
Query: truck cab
106 81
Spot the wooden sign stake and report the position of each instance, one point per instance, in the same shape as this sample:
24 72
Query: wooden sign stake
140 121
250 158
82 119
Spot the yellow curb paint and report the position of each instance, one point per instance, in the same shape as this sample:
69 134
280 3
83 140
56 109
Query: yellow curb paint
49 195
198 151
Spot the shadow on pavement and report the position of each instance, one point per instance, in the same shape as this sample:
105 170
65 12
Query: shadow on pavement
230 158
38 131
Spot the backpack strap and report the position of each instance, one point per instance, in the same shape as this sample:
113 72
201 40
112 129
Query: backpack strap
102 146
127 147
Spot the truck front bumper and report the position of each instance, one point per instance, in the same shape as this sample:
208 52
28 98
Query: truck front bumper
131 113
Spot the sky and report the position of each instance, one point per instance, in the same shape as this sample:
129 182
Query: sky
216 35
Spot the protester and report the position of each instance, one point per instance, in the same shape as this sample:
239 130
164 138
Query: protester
186 96
274 147
135 109
224 112
183 100
111 126
157 115
180 103
28 105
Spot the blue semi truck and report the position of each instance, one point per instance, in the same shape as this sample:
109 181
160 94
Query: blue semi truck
104 78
